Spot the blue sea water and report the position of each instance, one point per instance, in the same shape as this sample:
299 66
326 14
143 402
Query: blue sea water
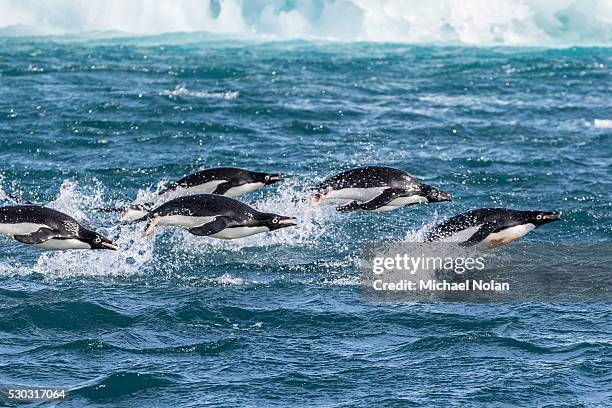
279 319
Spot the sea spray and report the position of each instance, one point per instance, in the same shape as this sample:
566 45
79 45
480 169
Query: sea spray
500 22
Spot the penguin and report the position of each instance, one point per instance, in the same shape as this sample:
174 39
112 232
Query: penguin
492 226
376 189
228 181
215 216
49 229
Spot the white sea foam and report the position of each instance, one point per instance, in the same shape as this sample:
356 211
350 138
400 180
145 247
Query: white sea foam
227 279
419 234
130 259
182 91
603 123
475 22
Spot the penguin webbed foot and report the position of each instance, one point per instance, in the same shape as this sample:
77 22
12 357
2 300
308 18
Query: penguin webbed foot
150 227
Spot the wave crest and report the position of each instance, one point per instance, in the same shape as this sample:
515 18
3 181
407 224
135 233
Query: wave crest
182 91
473 22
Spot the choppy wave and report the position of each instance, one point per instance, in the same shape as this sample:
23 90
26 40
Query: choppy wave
182 91
474 22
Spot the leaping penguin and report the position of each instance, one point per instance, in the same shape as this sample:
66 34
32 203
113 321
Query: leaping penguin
493 226
214 215
49 229
377 189
227 181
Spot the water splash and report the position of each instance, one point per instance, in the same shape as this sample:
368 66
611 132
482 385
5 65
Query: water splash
78 201
73 199
132 257
474 22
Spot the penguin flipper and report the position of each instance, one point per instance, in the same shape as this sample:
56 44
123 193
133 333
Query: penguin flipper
222 188
484 231
380 200
219 224
38 237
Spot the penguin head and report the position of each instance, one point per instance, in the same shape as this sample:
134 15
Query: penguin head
269 178
539 218
434 195
95 240
275 221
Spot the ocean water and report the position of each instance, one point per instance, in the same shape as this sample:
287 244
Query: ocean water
279 319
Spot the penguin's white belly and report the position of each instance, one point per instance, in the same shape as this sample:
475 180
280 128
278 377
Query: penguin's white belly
401 202
22 228
63 244
239 232
184 221
243 189
358 194
509 234
461 236
205 188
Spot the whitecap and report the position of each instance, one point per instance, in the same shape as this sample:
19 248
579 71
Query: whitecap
227 279
182 91
474 22
602 123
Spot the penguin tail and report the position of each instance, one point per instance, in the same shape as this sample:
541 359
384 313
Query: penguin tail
132 213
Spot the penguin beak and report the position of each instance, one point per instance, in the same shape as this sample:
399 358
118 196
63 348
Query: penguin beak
287 222
553 216
274 178
109 245
442 196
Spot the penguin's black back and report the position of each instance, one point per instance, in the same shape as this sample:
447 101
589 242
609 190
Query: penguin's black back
37 214
472 218
370 177
205 205
230 174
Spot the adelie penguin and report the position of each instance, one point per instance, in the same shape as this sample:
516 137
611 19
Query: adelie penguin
215 216
376 189
49 229
227 181
492 226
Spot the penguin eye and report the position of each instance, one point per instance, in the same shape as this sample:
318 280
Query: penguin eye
435 193
267 178
539 217
97 240
275 220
